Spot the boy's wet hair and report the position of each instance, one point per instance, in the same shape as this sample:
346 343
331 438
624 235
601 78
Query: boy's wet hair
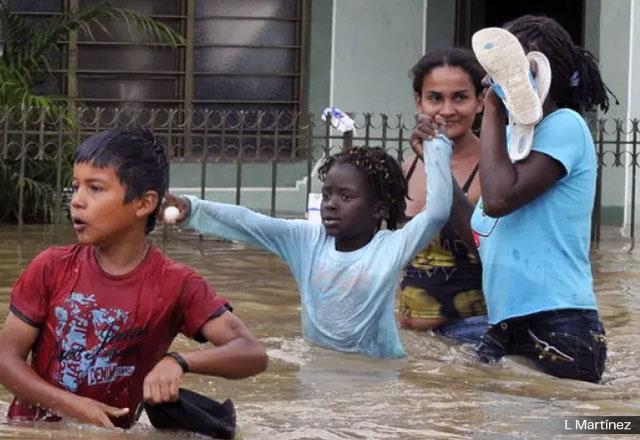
383 176
452 57
575 79
138 158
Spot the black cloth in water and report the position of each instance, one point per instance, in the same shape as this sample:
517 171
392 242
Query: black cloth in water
196 413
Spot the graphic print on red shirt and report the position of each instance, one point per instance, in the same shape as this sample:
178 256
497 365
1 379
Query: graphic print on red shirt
84 331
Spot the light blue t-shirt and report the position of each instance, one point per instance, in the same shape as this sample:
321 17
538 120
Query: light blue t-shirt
537 258
347 297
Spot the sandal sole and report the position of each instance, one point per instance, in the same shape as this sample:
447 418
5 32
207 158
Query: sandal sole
502 56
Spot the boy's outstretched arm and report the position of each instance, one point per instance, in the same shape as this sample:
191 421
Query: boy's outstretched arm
236 354
16 341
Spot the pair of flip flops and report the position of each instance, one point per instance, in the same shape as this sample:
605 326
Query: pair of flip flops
522 90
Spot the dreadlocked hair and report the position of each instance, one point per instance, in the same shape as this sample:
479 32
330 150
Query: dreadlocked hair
575 79
382 174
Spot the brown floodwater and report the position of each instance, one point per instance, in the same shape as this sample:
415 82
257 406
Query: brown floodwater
437 391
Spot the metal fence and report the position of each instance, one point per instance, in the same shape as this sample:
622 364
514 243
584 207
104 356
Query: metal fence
36 140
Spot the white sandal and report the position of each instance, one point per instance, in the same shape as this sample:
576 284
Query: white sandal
502 56
521 136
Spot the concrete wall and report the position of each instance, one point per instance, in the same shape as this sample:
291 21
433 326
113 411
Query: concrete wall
220 185
372 45
633 98
360 53
441 24
616 50
375 45
320 45
291 185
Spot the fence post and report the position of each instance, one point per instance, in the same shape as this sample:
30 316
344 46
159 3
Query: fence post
384 127
596 216
309 142
240 158
347 140
58 207
400 130
23 163
327 136
367 129
634 164
274 165
203 159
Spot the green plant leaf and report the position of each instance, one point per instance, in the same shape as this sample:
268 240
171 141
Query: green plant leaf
26 52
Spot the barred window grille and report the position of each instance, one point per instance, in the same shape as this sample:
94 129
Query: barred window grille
243 62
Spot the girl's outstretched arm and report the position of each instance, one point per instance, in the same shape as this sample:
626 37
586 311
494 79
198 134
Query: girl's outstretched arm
418 232
285 238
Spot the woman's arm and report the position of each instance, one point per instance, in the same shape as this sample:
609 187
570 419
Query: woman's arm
460 218
506 186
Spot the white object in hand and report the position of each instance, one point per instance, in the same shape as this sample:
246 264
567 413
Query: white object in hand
171 214
339 120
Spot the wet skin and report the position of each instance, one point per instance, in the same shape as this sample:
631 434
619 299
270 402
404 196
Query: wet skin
448 96
449 92
98 211
102 218
348 209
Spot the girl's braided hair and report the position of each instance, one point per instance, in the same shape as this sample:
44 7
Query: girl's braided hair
383 176
575 79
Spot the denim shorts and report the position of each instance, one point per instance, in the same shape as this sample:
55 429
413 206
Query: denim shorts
465 330
568 343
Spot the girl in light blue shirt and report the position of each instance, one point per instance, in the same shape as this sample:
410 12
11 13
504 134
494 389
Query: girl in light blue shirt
348 267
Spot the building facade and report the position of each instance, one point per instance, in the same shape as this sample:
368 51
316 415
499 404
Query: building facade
305 55
374 44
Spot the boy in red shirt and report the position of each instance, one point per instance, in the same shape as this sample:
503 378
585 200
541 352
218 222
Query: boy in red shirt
99 316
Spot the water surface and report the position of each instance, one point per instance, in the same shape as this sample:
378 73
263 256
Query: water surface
438 391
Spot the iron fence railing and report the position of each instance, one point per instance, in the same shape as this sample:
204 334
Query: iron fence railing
36 140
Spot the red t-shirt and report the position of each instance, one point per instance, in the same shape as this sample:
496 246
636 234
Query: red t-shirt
100 334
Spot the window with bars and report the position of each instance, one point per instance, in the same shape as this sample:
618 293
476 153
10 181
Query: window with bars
241 71
239 55
247 54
